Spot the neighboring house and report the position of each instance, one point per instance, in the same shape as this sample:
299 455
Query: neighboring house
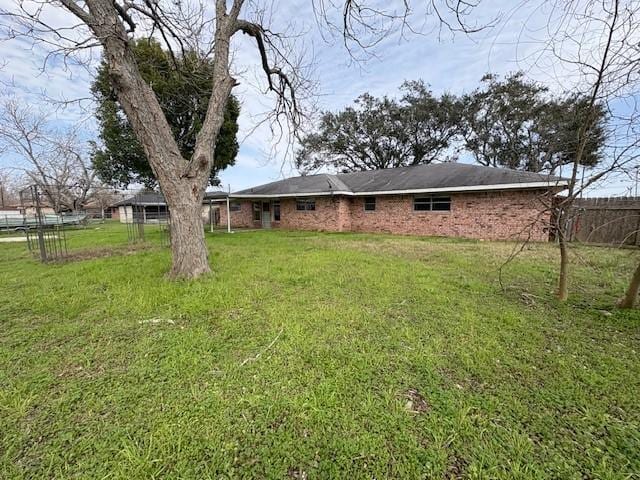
102 205
150 207
446 199
145 207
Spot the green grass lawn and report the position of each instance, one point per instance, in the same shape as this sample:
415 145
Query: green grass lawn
311 355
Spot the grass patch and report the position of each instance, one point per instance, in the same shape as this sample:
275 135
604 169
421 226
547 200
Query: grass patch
311 355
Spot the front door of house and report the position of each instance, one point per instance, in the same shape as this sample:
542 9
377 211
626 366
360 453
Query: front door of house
266 215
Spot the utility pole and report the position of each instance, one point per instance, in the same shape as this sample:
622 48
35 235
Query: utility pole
228 211
210 216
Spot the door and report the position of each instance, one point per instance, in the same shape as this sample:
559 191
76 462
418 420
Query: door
266 215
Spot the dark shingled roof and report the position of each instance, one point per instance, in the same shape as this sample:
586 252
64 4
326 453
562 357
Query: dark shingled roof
153 198
307 184
437 175
215 195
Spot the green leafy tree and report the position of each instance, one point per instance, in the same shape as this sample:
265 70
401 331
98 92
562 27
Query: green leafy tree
562 132
515 123
379 133
183 89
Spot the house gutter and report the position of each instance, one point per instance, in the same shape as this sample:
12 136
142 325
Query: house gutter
470 188
283 195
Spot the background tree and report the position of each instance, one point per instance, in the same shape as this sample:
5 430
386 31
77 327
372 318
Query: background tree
430 124
560 127
515 123
183 89
9 188
52 158
382 133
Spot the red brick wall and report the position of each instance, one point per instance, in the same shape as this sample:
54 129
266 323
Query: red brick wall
241 219
324 218
482 215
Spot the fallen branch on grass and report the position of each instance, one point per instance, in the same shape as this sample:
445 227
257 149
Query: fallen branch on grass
259 354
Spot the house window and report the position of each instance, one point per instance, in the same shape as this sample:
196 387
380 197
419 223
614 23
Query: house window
369 204
276 210
235 206
432 204
441 204
257 211
305 204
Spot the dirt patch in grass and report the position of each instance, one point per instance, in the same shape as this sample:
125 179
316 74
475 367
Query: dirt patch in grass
456 468
416 403
104 252
78 371
297 473
466 382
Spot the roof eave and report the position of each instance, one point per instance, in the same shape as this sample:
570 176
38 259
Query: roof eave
466 188
292 195
139 204
469 188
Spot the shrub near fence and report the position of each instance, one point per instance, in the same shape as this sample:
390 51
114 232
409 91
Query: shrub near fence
613 220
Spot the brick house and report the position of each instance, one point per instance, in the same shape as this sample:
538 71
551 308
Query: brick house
446 199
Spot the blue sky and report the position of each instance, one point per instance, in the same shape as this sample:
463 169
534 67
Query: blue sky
447 62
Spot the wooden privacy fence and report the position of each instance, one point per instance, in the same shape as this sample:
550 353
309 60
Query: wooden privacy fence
614 221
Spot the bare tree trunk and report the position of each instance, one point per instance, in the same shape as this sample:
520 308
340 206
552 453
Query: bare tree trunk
563 278
562 223
631 297
582 138
188 248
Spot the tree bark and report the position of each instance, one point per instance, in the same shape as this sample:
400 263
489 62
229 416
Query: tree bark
631 297
188 247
